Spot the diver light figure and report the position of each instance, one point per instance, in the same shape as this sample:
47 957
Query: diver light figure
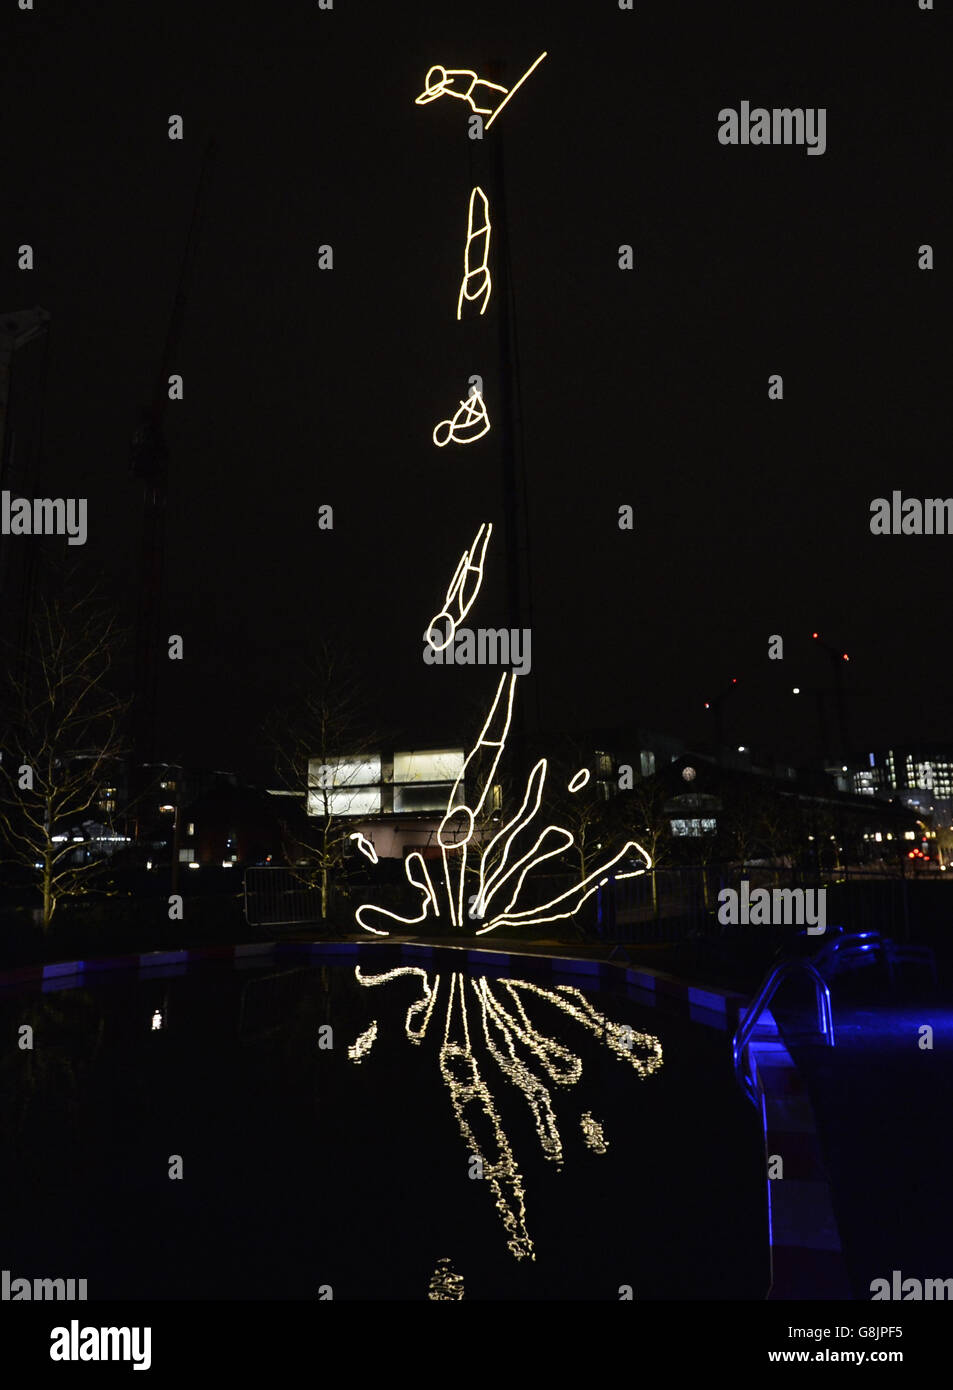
464 84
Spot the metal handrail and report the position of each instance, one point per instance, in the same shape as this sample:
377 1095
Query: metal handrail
746 1026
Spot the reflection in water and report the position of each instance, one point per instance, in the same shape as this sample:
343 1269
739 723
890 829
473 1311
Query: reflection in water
527 1057
67 1030
592 1133
362 1046
445 1286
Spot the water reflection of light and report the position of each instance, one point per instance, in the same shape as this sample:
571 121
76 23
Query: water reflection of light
592 1133
445 1286
362 1045
527 1057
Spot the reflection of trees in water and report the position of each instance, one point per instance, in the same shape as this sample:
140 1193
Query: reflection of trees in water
494 1018
42 1085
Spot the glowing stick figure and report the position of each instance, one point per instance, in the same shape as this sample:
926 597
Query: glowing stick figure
471 270
470 422
457 594
464 84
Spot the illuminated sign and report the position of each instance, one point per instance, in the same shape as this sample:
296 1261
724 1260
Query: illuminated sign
461 595
470 423
478 246
464 84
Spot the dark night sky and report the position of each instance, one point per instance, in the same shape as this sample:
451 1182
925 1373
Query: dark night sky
303 387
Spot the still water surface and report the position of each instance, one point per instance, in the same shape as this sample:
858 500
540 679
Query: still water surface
379 1132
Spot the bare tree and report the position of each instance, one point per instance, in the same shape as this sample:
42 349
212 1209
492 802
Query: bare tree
60 738
325 753
640 811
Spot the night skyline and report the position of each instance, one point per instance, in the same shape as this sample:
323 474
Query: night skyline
648 388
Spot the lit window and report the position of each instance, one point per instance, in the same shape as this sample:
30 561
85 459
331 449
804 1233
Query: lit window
420 798
647 762
191 829
434 765
344 772
695 826
347 801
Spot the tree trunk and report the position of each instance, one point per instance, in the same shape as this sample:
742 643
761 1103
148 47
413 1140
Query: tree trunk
48 900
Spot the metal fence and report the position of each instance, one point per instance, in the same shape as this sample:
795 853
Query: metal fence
661 905
671 904
274 897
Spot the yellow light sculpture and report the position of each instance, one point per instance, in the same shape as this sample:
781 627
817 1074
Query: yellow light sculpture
468 424
500 864
365 846
459 596
464 84
504 863
481 249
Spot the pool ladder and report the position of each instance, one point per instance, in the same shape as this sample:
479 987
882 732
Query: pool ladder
748 1023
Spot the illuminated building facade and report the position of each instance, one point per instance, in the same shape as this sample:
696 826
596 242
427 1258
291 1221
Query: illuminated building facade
396 797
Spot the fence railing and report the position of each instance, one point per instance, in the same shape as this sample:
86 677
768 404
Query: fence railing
275 897
666 904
